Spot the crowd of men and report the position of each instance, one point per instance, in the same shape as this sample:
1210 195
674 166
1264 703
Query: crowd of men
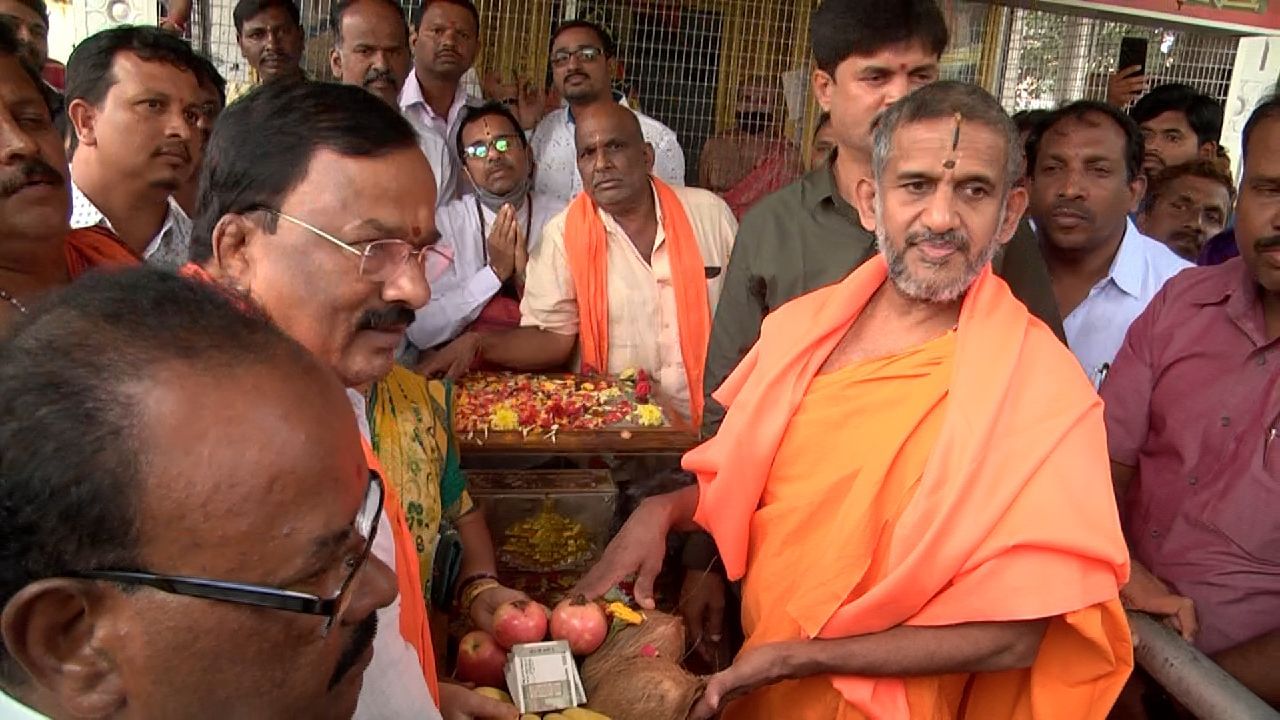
963 392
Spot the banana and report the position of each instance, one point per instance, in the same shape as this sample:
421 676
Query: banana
495 694
529 716
554 716
584 714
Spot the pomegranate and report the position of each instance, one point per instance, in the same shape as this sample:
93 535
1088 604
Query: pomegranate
581 623
481 660
519 621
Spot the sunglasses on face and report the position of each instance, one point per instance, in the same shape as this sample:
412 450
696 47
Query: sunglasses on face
332 607
481 149
560 58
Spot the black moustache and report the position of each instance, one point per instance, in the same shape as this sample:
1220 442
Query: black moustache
360 641
32 171
1073 208
395 316
1267 243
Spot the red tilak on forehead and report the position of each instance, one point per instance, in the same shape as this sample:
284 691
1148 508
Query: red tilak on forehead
950 163
416 230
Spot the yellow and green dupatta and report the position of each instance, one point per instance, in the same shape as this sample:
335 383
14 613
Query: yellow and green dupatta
411 428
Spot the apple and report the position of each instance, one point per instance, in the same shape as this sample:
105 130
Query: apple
481 659
581 623
519 621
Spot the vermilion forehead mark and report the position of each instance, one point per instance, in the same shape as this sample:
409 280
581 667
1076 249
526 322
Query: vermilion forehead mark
950 162
417 230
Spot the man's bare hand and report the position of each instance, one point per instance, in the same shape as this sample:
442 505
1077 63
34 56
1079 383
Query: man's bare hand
638 549
488 602
531 105
453 360
502 243
755 668
702 607
458 702
1125 86
491 86
1145 592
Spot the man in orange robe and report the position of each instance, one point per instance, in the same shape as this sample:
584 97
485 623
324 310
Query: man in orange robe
911 481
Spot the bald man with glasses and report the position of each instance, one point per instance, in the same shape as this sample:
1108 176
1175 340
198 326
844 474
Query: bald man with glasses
159 558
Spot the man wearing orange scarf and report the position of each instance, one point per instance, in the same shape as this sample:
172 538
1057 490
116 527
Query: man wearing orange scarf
631 270
911 481
313 206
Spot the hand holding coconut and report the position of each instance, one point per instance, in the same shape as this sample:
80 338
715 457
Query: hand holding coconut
754 668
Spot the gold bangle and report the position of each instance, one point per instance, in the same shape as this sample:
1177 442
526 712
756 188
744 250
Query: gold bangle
480 586
473 591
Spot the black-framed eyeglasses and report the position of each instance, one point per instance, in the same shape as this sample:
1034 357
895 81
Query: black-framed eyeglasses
586 54
366 525
480 148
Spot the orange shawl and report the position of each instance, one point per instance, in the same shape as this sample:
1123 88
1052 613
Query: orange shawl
586 249
413 609
92 247
1014 517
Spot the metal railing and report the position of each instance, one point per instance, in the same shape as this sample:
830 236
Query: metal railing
1190 677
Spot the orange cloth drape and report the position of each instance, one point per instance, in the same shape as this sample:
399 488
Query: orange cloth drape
413 610
845 482
586 249
94 247
1013 517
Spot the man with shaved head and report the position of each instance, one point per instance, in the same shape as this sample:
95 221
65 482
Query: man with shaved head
631 271
185 512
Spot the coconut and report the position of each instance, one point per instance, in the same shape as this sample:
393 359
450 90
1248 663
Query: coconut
644 688
660 635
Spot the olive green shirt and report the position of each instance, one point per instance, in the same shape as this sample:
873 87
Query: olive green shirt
806 236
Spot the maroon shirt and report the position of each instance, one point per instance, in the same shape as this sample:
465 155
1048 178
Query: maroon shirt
1193 401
